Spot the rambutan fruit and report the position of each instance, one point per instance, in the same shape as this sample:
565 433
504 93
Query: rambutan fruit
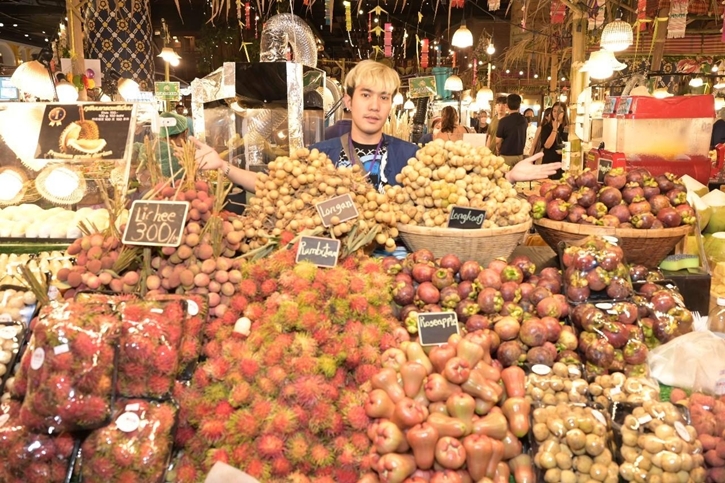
101 468
166 359
189 349
284 421
239 394
357 284
298 477
327 366
243 424
370 354
248 367
268 287
258 469
61 362
261 408
303 345
370 335
360 442
357 418
364 372
309 389
267 386
64 445
276 374
230 317
270 446
217 368
353 357
308 298
309 320
84 346
247 288
223 410
297 448
219 455
240 455
93 410
201 377
212 328
346 474
273 356
387 341
302 415
183 435
159 385
132 370
254 311
212 430
239 303
281 466
320 456
186 472
307 271
121 455
127 476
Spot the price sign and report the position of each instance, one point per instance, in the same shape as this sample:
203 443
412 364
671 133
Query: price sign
466 218
435 328
167 91
156 223
340 207
610 105
625 104
322 252
605 166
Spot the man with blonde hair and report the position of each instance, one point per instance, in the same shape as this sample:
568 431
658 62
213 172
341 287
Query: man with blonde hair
369 90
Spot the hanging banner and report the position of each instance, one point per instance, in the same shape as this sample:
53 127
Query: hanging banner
388 39
424 53
642 14
678 19
558 12
248 15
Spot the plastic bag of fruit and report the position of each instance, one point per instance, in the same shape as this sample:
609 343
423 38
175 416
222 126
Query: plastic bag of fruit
694 360
148 358
136 446
67 371
595 269
619 388
663 314
29 457
562 383
197 311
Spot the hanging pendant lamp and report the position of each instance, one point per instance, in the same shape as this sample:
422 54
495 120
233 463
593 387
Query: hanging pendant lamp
617 36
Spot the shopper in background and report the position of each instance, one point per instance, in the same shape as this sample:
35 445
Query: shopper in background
340 127
483 125
499 112
529 114
369 91
530 130
450 129
511 132
181 110
718 129
435 128
553 136
536 143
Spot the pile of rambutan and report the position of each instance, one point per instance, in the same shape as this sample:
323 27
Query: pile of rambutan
135 447
28 457
286 402
66 373
148 356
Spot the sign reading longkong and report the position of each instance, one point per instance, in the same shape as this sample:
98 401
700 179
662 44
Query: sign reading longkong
466 218
156 223
436 327
341 207
322 252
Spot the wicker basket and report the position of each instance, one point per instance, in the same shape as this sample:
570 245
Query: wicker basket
645 247
480 245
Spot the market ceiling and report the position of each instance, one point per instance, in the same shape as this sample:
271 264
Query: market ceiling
33 21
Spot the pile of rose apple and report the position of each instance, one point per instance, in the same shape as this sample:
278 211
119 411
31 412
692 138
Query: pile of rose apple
520 310
443 416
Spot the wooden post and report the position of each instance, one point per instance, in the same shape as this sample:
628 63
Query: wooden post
659 48
75 31
554 74
577 79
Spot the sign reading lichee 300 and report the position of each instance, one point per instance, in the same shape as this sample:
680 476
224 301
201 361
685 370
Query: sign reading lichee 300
435 328
322 252
156 223
466 218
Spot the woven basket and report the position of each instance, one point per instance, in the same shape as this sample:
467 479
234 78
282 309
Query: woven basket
480 245
645 247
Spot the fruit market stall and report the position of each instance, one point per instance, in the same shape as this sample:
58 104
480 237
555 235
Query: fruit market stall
180 336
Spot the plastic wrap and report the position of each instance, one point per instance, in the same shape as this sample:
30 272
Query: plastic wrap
618 388
283 30
135 447
663 314
572 443
12 337
563 383
656 439
197 311
610 339
67 372
148 360
595 269
694 360
29 457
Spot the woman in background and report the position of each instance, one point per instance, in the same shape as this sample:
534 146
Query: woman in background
536 144
553 136
450 129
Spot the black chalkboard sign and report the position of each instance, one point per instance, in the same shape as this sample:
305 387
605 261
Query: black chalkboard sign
341 207
466 218
605 166
156 223
435 328
322 252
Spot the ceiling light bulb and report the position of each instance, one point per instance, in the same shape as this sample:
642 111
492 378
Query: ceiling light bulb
484 96
562 98
462 38
490 50
453 83
616 36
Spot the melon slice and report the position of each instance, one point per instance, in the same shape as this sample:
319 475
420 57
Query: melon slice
715 199
715 247
694 186
704 212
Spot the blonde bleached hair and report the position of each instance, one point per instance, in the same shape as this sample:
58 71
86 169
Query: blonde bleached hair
373 74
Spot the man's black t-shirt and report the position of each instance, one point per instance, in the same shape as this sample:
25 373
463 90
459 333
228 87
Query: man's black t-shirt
512 130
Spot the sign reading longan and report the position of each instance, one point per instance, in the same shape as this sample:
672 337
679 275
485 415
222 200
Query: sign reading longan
434 328
466 218
337 209
322 252
156 223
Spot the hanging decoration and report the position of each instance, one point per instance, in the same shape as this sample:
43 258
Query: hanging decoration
378 30
329 6
256 26
494 5
475 71
370 26
642 14
596 10
453 56
239 16
248 15
423 52
405 43
388 39
457 3
348 16
678 19
523 15
558 12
